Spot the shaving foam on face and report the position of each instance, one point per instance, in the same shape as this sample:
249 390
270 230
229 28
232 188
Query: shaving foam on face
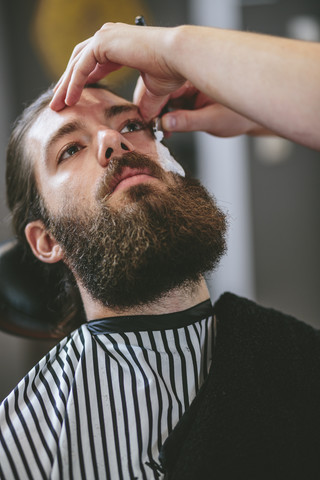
166 160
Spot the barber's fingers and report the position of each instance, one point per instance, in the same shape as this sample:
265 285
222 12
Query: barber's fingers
215 119
150 105
71 84
139 90
83 68
60 92
187 120
75 54
88 63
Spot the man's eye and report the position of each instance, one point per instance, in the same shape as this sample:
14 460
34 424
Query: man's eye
133 126
69 152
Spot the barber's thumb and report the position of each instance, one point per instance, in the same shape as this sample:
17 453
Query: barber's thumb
182 121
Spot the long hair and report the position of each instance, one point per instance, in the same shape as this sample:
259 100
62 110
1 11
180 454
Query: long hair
23 198
26 205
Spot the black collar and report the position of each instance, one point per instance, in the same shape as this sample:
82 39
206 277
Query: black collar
140 323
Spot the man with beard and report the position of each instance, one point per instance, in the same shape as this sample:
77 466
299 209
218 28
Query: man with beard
222 392
106 200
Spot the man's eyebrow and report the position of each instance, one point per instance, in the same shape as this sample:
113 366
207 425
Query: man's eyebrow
66 129
115 110
76 125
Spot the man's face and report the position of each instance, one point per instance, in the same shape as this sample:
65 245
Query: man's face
129 230
73 149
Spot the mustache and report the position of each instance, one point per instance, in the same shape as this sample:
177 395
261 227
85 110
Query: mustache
116 167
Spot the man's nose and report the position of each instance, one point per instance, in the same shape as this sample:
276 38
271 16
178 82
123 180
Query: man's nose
111 144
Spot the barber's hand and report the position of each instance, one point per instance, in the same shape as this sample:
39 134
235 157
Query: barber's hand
191 110
116 45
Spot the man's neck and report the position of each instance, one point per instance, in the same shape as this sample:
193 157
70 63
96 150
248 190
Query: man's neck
175 301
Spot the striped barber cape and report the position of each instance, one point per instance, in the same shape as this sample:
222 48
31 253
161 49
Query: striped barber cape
102 402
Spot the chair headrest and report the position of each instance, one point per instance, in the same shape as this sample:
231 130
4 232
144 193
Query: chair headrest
27 294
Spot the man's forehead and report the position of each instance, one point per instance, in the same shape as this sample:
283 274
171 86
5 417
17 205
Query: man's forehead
93 100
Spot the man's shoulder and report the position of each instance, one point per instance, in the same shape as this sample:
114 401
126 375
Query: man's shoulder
38 403
60 361
260 403
242 312
264 336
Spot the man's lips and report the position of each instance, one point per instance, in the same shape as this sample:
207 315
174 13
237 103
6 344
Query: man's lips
130 176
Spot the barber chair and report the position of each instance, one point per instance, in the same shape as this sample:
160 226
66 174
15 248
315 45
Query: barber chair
28 294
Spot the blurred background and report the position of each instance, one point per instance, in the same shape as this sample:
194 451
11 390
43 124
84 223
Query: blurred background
269 186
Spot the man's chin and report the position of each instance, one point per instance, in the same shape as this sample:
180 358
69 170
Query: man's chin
143 242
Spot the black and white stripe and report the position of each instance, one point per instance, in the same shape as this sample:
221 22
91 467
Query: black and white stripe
102 402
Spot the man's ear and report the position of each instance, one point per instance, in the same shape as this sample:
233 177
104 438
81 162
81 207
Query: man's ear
43 245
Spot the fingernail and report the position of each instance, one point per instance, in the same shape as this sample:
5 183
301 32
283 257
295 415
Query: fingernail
168 122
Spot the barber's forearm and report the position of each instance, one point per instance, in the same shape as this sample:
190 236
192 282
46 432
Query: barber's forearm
273 81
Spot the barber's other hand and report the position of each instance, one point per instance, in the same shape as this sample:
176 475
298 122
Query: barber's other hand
191 110
116 45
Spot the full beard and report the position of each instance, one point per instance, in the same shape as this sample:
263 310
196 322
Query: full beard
157 240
